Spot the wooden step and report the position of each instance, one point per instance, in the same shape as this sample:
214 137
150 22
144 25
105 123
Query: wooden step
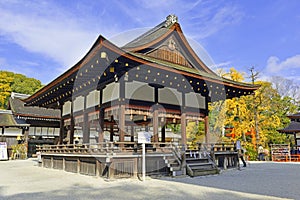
197 160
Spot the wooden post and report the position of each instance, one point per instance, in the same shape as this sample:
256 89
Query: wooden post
163 133
64 164
183 120
132 134
122 124
78 165
72 124
183 128
122 111
206 127
86 123
206 121
101 124
135 169
155 125
51 164
97 167
61 127
101 119
111 128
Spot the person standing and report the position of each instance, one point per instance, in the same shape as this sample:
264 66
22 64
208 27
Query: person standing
260 153
242 153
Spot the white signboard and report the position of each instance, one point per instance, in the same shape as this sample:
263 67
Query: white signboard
144 137
3 151
238 145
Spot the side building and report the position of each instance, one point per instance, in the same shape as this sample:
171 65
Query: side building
28 124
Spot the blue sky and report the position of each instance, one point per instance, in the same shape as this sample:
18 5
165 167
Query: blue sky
42 39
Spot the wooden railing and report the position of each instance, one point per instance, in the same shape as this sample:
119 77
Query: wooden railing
286 158
103 148
213 147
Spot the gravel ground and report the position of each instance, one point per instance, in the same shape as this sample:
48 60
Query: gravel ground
23 179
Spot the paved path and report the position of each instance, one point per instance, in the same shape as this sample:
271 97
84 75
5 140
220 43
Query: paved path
24 180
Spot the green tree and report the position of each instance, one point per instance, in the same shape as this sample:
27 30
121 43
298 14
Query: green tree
11 82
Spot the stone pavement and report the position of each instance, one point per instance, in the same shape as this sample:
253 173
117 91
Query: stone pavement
23 179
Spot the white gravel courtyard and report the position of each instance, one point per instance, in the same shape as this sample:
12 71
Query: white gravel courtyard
23 179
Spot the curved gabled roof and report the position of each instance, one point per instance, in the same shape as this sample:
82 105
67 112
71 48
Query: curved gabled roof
18 108
7 120
168 28
92 65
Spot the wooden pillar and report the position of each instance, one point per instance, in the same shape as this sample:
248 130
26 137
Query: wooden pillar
206 121
111 128
72 124
101 124
2 134
122 123
86 124
183 120
61 127
132 134
155 116
206 128
101 119
163 133
183 128
98 166
122 110
155 125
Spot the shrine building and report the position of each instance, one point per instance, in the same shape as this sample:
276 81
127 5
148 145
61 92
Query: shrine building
113 93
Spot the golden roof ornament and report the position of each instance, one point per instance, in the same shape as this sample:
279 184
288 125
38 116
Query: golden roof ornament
171 19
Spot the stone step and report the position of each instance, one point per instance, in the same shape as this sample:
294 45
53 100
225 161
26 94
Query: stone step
200 164
199 167
170 160
205 172
177 173
175 168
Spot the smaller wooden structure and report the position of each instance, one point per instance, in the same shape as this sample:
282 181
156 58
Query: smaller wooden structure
28 124
294 129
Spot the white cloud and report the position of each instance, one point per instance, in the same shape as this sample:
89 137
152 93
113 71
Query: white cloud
213 19
224 65
49 30
65 32
274 65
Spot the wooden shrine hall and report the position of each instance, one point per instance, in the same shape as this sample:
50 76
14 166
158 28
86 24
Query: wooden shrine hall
114 92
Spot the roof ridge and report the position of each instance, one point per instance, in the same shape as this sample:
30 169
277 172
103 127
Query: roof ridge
170 20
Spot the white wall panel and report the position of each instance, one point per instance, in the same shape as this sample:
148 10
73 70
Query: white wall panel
139 91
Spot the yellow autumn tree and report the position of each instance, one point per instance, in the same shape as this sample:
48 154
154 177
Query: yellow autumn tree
5 89
253 119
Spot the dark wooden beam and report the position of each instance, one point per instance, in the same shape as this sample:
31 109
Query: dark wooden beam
155 125
183 119
61 127
163 133
86 124
72 124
